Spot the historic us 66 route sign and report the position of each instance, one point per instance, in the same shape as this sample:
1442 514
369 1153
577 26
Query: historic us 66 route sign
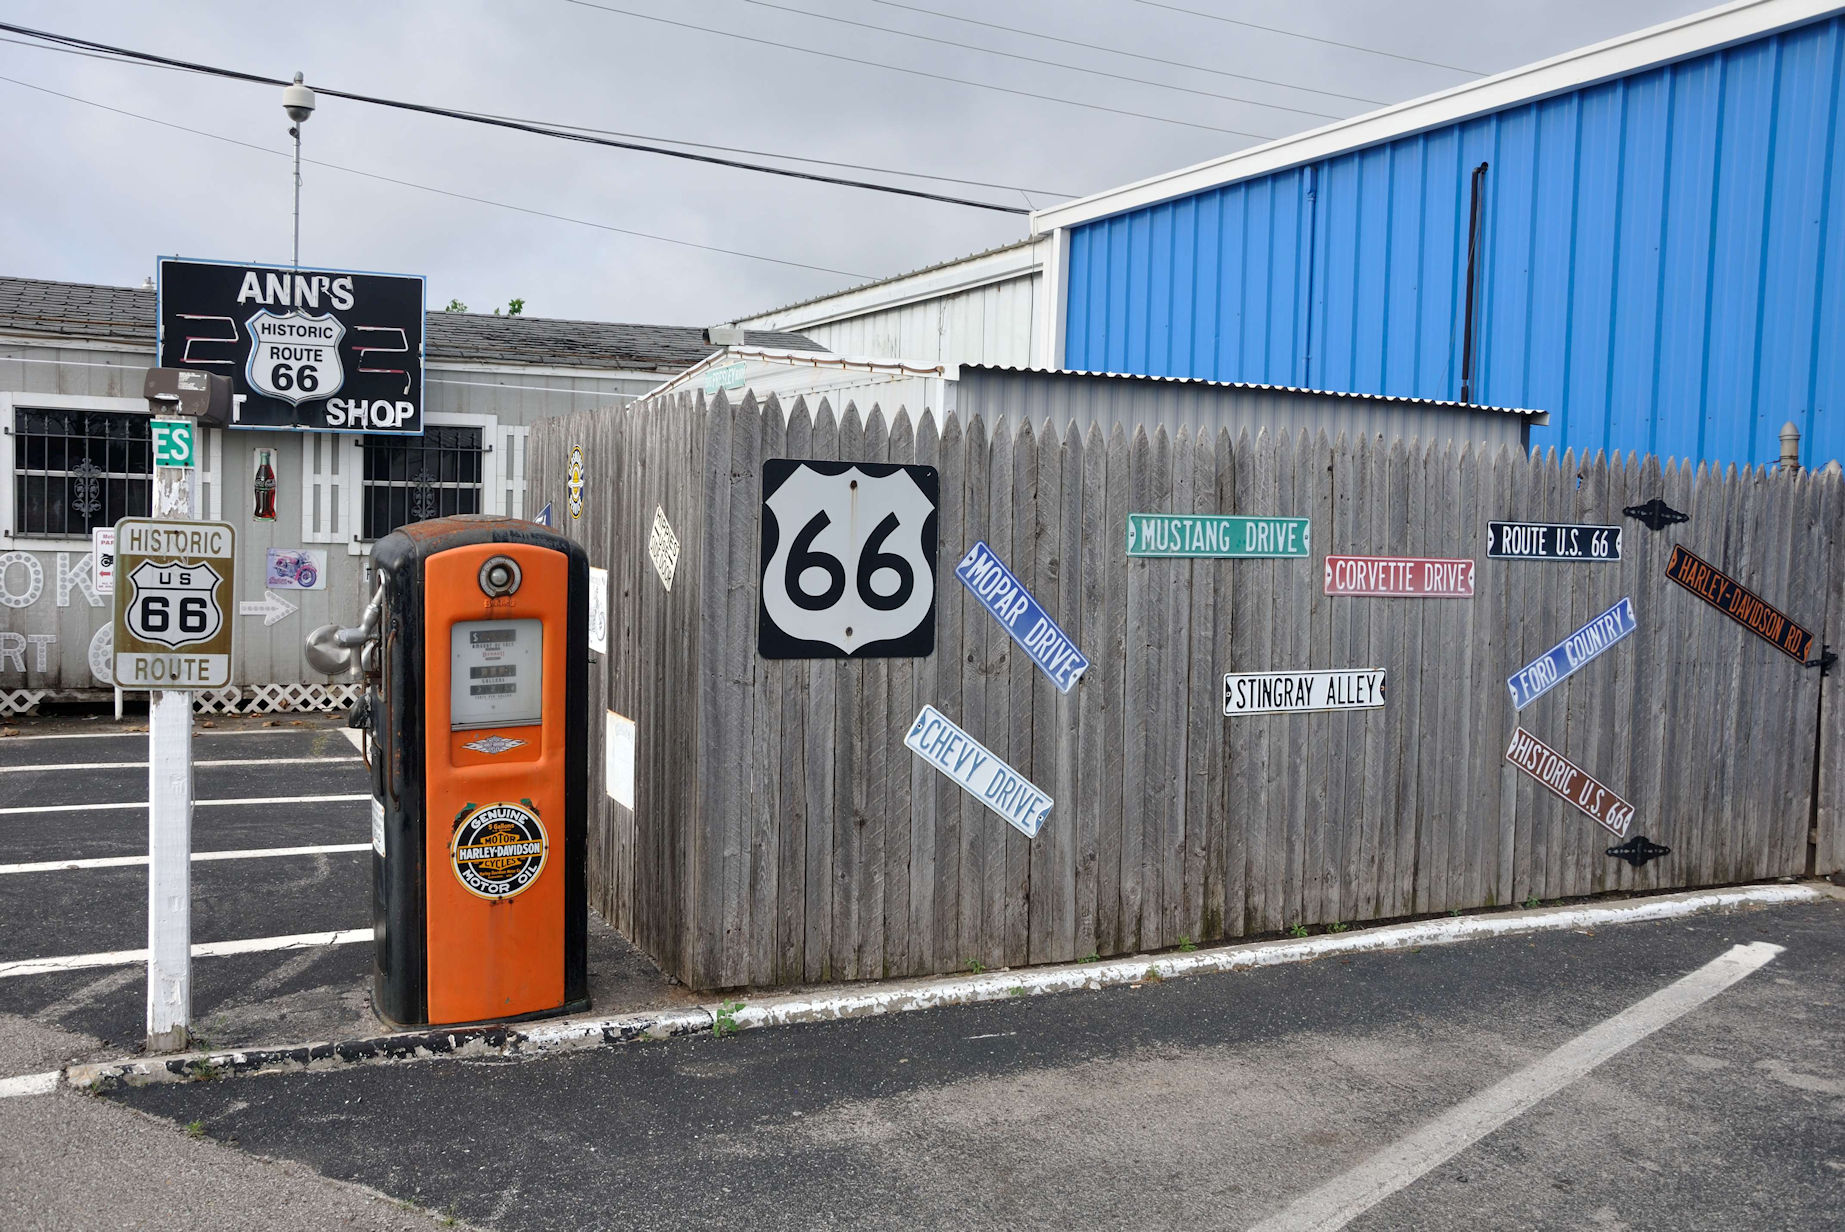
173 606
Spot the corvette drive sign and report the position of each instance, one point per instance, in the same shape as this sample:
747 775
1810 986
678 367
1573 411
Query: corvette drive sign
315 349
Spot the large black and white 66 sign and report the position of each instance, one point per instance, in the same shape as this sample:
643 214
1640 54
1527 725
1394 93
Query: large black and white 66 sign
848 559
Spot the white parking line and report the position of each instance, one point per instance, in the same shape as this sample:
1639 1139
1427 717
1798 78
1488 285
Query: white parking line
1351 1194
62 866
29 1084
138 765
198 734
208 949
141 804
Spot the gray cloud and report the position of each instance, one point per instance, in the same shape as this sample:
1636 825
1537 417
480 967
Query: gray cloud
93 196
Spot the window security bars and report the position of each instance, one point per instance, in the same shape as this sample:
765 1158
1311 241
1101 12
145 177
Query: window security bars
413 479
74 470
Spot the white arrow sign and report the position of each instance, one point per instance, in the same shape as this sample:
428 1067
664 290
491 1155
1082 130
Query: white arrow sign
271 607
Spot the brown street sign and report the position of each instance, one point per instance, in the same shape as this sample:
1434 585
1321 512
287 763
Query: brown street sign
1740 604
173 604
1568 781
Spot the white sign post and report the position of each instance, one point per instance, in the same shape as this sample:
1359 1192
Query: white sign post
170 597
169 839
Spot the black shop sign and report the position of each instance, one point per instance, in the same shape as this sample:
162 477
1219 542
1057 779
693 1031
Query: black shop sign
315 349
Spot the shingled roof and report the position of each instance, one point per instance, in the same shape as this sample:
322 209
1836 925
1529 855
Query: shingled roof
38 307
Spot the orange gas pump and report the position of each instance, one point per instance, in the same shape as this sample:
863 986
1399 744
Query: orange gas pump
475 696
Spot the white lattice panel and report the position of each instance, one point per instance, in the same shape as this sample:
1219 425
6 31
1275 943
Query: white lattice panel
218 701
20 701
269 698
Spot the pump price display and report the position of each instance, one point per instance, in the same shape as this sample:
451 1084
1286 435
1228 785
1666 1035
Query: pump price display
495 670
176 583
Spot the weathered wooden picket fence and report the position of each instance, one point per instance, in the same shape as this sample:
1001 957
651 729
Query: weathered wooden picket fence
782 832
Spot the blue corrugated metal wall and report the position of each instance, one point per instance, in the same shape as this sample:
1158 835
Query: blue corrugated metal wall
1661 263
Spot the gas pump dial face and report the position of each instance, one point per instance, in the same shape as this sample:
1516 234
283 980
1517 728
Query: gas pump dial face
496 673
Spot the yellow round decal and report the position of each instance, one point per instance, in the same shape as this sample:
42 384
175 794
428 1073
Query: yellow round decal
498 850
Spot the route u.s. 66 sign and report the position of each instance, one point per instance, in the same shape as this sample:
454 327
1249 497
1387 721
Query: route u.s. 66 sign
848 559
321 349
173 592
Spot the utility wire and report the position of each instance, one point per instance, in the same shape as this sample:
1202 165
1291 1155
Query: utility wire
795 158
1134 55
1012 55
520 126
442 192
1311 38
861 62
604 132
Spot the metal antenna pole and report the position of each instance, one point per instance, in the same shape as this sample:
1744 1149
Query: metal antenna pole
297 132
298 102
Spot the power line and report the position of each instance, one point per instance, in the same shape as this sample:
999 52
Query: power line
1311 38
914 72
1012 55
796 158
520 126
586 128
1134 55
442 192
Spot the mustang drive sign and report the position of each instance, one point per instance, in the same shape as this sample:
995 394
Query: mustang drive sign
328 350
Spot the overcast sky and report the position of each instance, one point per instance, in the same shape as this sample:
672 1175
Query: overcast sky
94 196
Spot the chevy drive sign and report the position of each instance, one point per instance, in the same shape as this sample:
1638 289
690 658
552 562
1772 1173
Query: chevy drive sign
315 349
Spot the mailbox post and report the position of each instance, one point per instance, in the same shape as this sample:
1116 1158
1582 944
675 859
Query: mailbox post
474 652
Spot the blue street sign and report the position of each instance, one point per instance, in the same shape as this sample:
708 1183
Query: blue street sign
996 588
1548 670
544 515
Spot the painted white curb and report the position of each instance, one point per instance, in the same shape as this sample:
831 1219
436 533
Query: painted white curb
723 1017
1115 972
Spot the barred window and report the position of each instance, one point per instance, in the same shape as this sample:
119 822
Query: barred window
74 470
413 479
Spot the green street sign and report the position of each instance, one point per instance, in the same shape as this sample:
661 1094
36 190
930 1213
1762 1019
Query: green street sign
1216 535
173 442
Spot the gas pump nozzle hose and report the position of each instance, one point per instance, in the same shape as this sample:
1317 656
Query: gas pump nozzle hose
330 647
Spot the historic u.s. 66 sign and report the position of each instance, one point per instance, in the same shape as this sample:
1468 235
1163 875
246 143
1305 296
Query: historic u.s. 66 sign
848 560
332 350
173 599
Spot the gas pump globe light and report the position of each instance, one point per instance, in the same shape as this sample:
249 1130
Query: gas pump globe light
499 577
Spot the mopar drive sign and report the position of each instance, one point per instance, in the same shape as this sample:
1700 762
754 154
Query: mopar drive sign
316 349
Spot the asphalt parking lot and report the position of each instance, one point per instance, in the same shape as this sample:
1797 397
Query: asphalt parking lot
281 841
1445 1088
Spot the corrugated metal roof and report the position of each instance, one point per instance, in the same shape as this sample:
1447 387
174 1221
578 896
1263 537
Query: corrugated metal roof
878 282
126 314
1257 387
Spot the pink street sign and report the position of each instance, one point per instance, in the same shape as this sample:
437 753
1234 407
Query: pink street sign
1407 576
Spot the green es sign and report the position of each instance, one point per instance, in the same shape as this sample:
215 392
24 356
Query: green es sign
173 442
1195 535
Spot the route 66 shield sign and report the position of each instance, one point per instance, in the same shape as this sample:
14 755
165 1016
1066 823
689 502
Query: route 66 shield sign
294 356
174 603
848 559
173 592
